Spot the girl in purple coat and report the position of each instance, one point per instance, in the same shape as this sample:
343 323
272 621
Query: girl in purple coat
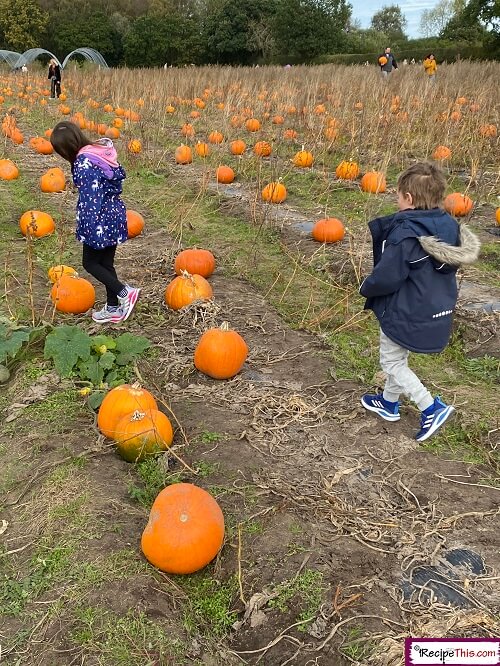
101 222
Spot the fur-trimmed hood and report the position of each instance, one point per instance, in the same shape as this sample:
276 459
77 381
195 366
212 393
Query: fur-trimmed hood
465 253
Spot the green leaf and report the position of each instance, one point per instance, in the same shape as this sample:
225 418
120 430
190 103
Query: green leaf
94 400
106 340
107 360
10 346
66 346
129 347
114 378
91 370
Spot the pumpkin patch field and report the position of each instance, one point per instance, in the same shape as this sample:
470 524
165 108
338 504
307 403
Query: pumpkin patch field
200 485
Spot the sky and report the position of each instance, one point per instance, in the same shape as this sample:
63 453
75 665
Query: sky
412 9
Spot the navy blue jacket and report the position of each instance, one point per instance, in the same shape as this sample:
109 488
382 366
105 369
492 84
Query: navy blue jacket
413 289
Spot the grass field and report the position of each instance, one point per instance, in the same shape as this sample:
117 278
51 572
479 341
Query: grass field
337 525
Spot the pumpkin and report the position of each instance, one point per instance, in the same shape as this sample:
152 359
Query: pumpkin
224 174
202 149
488 130
442 153
303 159
112 133
134 146
331 133
238 147
107 107
185 289
8 170
262 149
183 154
187 130
17 137
215 137
195 262
185 530
278 120
220 353
119 402
135 223
118 123
458 204
328 230
374 182
141 434
274 192
41 145
170 109
347 171
455 116
53 180
56 272
382 61
36 223
252 125
290 134
497 216
72 294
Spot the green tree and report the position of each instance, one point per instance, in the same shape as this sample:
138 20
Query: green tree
391 21
478 22
433 21
22 24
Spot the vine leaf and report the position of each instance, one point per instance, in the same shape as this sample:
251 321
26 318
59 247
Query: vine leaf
66 346
129 347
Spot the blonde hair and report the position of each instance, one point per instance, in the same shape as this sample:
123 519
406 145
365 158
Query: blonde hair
426 184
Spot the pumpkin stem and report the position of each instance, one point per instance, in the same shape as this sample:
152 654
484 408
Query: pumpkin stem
224 326
137 415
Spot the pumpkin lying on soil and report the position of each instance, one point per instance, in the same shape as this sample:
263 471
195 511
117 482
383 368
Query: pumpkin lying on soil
186 289
458 204
220 353
8 170
36 223
55 273
119 402
195 261
72 294
141 434
328 230
135 223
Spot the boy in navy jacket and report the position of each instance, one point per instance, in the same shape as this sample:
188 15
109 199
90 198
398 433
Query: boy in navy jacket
413 290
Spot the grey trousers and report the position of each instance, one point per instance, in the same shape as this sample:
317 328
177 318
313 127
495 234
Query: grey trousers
400 379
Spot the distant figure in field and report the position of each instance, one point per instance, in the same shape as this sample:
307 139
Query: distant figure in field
387 62
54 77
430 67
24 69
412 61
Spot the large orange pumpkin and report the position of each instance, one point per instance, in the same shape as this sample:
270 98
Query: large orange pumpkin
303 159
119 402
185 530
135 223
216 137
41 145
195 262
497 216
252 125
141 434
202 149
72 294
224 174
262 149
274 192
186 289
238 147
36 223
328 230
53 180
374 182
220 353
183 154
56 272
8 170
347 171
458 204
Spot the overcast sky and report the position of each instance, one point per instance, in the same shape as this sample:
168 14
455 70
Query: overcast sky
412 9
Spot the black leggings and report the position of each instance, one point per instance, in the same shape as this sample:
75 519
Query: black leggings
100 264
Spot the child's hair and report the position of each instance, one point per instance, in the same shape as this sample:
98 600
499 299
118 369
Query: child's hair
67 139
426 184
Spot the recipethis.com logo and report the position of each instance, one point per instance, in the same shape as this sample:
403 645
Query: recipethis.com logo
452 651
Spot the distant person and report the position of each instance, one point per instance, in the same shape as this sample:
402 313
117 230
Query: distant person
101 222
430 67
412 290
24 69
412 61
54 77
405 61
387 62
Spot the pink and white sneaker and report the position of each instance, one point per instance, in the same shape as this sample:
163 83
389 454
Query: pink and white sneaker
106 316
127 303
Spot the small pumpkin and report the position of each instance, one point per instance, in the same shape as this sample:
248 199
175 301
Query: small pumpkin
112 133
290 134
274 192
134 146
497 216
183 154
41 145
53 180
458 204
202 149
347 170
72 294
278 120
224 174
135 223
441 153
119 402
303 159
328 230
186 289
185 530
238 147
382 61
489 131
262 149
216 137
141 434
55 273
195 261
187 130
36 223
220 353
252 125
8 170
374 182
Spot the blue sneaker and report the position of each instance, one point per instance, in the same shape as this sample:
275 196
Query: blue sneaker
433 418
389 411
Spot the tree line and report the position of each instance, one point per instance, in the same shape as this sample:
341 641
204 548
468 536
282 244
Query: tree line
152 33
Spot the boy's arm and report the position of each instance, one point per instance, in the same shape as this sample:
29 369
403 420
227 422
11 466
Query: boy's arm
389 274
